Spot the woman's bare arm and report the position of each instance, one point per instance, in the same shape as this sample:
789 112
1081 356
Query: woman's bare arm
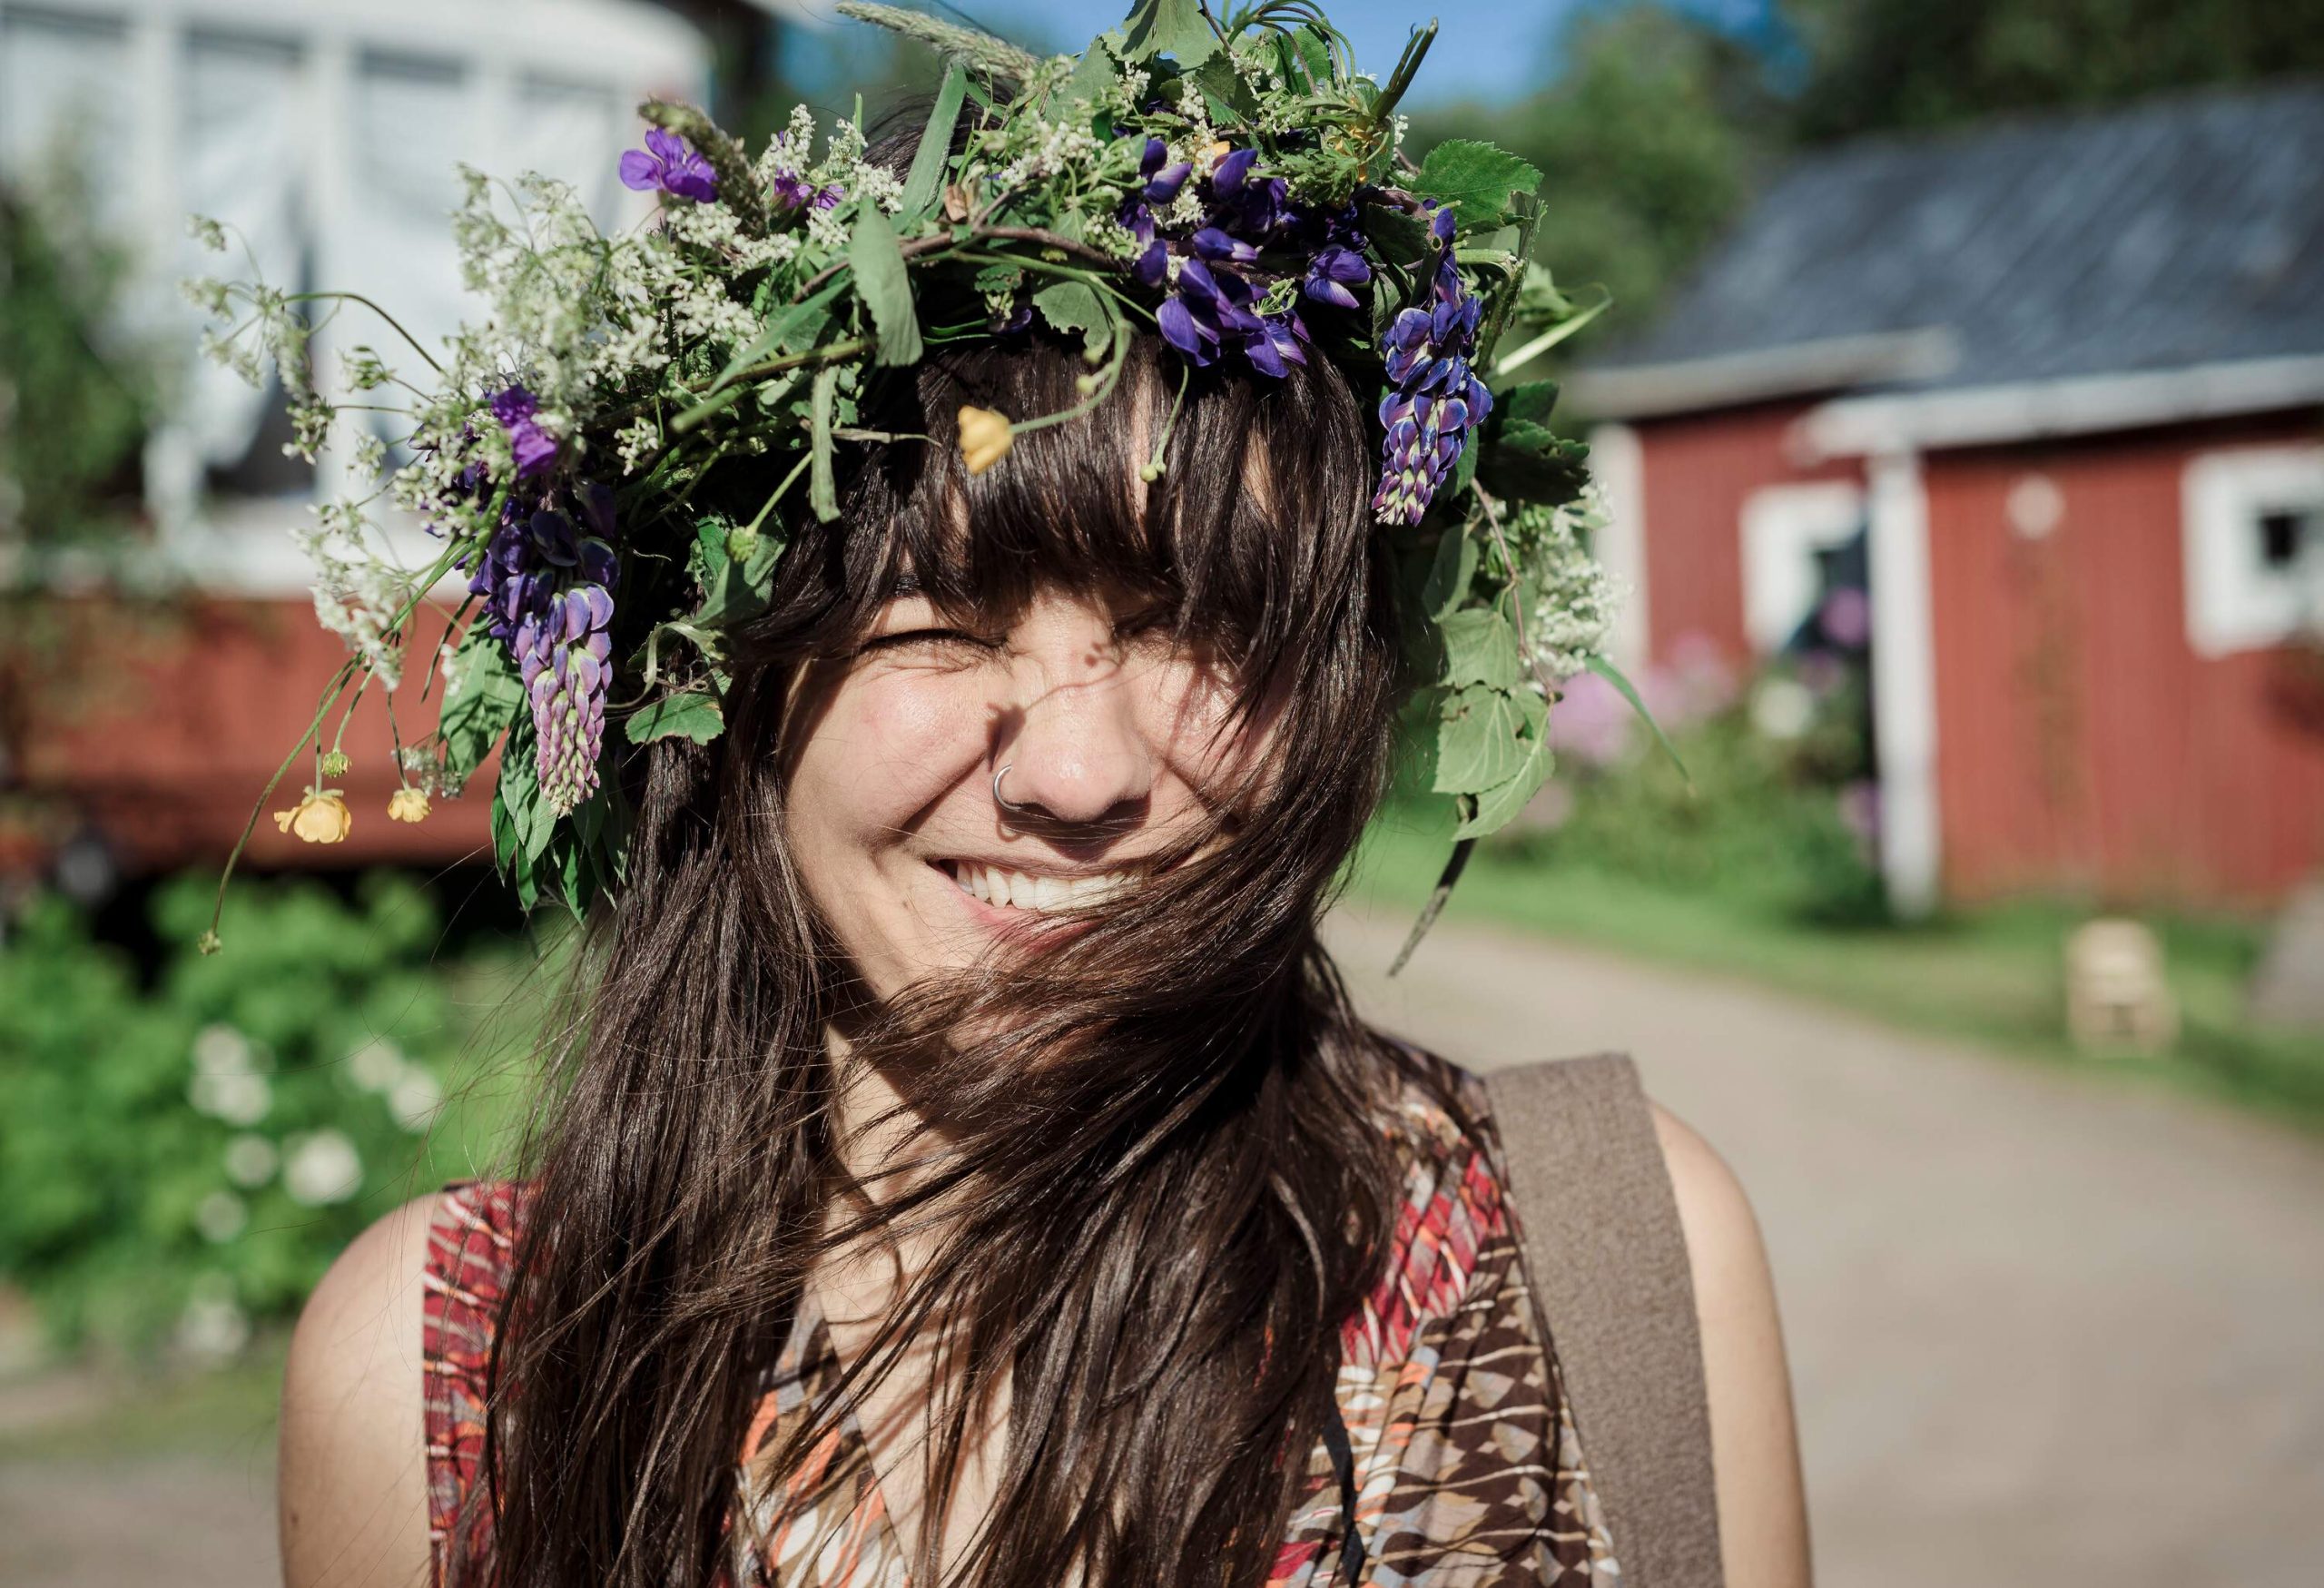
353 1479
1755 1445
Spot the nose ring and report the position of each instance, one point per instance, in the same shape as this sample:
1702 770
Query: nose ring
1002 800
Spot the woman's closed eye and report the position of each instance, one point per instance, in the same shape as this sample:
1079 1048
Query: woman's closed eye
933 642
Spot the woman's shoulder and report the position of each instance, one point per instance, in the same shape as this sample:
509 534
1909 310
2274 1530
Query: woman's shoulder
383 1392
352 1436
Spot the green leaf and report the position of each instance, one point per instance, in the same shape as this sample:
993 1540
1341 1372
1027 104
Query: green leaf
1533 402
1400 237
1612 674
688 714
1071 306
732 589
1480 647
999 278
1525 436
1101 67
884 282
486 693
1476 179
1169 27
1230 98
1481 740
532 823
1449 575
822 485
1497 807
935 149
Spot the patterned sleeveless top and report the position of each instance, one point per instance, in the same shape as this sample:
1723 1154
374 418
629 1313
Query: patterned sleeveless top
1468 1467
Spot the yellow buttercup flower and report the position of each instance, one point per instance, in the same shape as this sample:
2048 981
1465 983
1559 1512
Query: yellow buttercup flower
408 804
321 817
985 437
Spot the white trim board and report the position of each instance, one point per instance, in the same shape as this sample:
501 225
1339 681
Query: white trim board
2233 602
1618 463
1904 683
1853 427
1782 527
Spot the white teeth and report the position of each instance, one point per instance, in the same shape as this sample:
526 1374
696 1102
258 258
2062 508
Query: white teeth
1023 890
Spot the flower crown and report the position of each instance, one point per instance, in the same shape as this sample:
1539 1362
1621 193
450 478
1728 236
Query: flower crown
1236 185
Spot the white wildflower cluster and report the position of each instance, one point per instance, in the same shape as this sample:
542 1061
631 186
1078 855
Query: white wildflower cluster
846 145
1043 149
791 152
360 595
1575 599
422 765
363 370
637 441
876 183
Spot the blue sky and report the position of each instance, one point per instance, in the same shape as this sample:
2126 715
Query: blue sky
1484 49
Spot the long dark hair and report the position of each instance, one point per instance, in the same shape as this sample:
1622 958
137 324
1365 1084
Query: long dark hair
1162 1180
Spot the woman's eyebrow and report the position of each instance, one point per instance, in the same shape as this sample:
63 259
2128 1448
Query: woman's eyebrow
903 584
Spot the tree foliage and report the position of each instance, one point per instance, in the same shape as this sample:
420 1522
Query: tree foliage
1655 125
1659 123
1877 65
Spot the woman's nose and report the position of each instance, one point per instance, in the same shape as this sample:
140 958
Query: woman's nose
1077 754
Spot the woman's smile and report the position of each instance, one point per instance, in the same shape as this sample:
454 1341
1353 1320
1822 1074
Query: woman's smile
1002 887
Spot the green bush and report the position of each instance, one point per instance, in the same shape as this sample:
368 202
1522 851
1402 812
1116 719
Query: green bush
1758 819
182 1163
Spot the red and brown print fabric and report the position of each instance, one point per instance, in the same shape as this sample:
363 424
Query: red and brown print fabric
1468 1466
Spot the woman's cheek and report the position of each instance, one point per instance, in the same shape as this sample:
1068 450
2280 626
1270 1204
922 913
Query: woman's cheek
914 731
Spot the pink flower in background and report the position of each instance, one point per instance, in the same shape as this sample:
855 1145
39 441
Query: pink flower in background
1846 618
1860 809
1594 723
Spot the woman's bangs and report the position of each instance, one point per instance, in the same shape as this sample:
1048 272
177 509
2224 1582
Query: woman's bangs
1249 549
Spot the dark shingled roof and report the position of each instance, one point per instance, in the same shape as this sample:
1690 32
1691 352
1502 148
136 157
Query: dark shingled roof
2182 231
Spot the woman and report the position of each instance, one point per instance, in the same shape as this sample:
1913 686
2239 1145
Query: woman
1078 739
964 1164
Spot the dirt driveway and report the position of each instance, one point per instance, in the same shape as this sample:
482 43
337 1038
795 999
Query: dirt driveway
2043 1331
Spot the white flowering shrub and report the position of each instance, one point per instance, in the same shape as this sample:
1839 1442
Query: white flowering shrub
180 1162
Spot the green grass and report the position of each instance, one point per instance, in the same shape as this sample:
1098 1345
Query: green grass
1991 975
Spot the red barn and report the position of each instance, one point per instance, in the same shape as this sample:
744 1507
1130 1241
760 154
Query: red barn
2061 383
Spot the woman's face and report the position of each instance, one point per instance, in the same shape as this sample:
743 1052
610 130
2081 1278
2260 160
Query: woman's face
1113 748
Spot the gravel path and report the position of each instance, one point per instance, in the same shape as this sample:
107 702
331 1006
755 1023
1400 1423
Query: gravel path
2043 1331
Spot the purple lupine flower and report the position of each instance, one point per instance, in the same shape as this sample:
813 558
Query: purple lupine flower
534 448
1438 398
546 591
1332 272
1216 273
671 165
565 657
1162 182
791 191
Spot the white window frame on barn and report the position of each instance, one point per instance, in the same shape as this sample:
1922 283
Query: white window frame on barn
2235 601
1783 527
325 133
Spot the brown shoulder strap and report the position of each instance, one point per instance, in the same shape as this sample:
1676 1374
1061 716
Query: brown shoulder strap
1609 1270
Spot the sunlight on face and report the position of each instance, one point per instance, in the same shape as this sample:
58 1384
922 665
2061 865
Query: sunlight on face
1113 746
